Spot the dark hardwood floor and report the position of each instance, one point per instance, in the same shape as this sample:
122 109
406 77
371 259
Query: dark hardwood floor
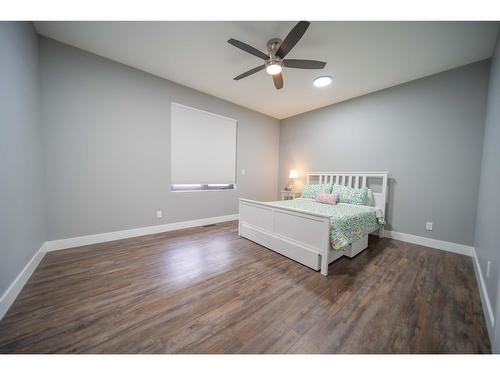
205 290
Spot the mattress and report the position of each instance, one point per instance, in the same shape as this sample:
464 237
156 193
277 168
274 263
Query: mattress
348 222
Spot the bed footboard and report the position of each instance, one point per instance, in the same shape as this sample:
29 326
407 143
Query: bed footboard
299 235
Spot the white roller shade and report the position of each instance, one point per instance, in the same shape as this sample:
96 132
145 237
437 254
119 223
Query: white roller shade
203 147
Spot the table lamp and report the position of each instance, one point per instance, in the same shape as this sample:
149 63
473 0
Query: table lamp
293 175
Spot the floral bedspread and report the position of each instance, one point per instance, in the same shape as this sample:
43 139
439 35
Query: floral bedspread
349 222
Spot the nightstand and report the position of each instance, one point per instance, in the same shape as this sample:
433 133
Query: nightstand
286 194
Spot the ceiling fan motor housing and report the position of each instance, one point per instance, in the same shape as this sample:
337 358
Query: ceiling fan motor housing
273 45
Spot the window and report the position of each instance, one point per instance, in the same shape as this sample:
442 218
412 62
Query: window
203 150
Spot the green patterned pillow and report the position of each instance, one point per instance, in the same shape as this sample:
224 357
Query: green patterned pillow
351 195
311 191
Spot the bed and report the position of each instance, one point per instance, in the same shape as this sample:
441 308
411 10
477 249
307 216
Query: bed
316 234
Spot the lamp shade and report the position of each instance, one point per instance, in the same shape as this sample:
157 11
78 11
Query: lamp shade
293 174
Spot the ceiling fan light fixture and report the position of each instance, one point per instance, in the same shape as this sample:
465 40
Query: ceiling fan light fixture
322 81
274 68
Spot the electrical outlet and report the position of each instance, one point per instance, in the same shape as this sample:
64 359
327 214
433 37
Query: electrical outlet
428 225
242 171
159 214
488 266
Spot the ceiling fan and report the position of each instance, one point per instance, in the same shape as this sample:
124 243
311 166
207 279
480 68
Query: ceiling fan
275 59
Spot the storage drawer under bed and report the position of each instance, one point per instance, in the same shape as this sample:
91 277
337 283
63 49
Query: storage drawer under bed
356 247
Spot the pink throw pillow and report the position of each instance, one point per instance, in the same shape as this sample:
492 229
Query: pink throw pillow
327 198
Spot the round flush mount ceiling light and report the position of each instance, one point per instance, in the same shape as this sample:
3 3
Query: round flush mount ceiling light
322 81
273 69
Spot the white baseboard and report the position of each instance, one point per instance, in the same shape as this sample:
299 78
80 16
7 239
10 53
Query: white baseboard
430 242
489 316
123 234
17 285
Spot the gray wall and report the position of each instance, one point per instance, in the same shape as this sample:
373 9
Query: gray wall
22 196
488 217
107 137
427 133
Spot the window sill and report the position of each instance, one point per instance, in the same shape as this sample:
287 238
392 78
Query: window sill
197 188
201 190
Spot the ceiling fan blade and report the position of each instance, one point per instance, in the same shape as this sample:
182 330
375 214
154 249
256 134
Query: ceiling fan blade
292 38
245 47
278 81
250 72
304 64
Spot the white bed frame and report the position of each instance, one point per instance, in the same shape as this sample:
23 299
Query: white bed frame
302 235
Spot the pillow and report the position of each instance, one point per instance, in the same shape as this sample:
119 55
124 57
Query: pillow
351 195
327 198
311 191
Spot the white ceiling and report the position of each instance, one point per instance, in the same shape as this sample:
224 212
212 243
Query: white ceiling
362 57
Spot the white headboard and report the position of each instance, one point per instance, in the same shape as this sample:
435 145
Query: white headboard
355 180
